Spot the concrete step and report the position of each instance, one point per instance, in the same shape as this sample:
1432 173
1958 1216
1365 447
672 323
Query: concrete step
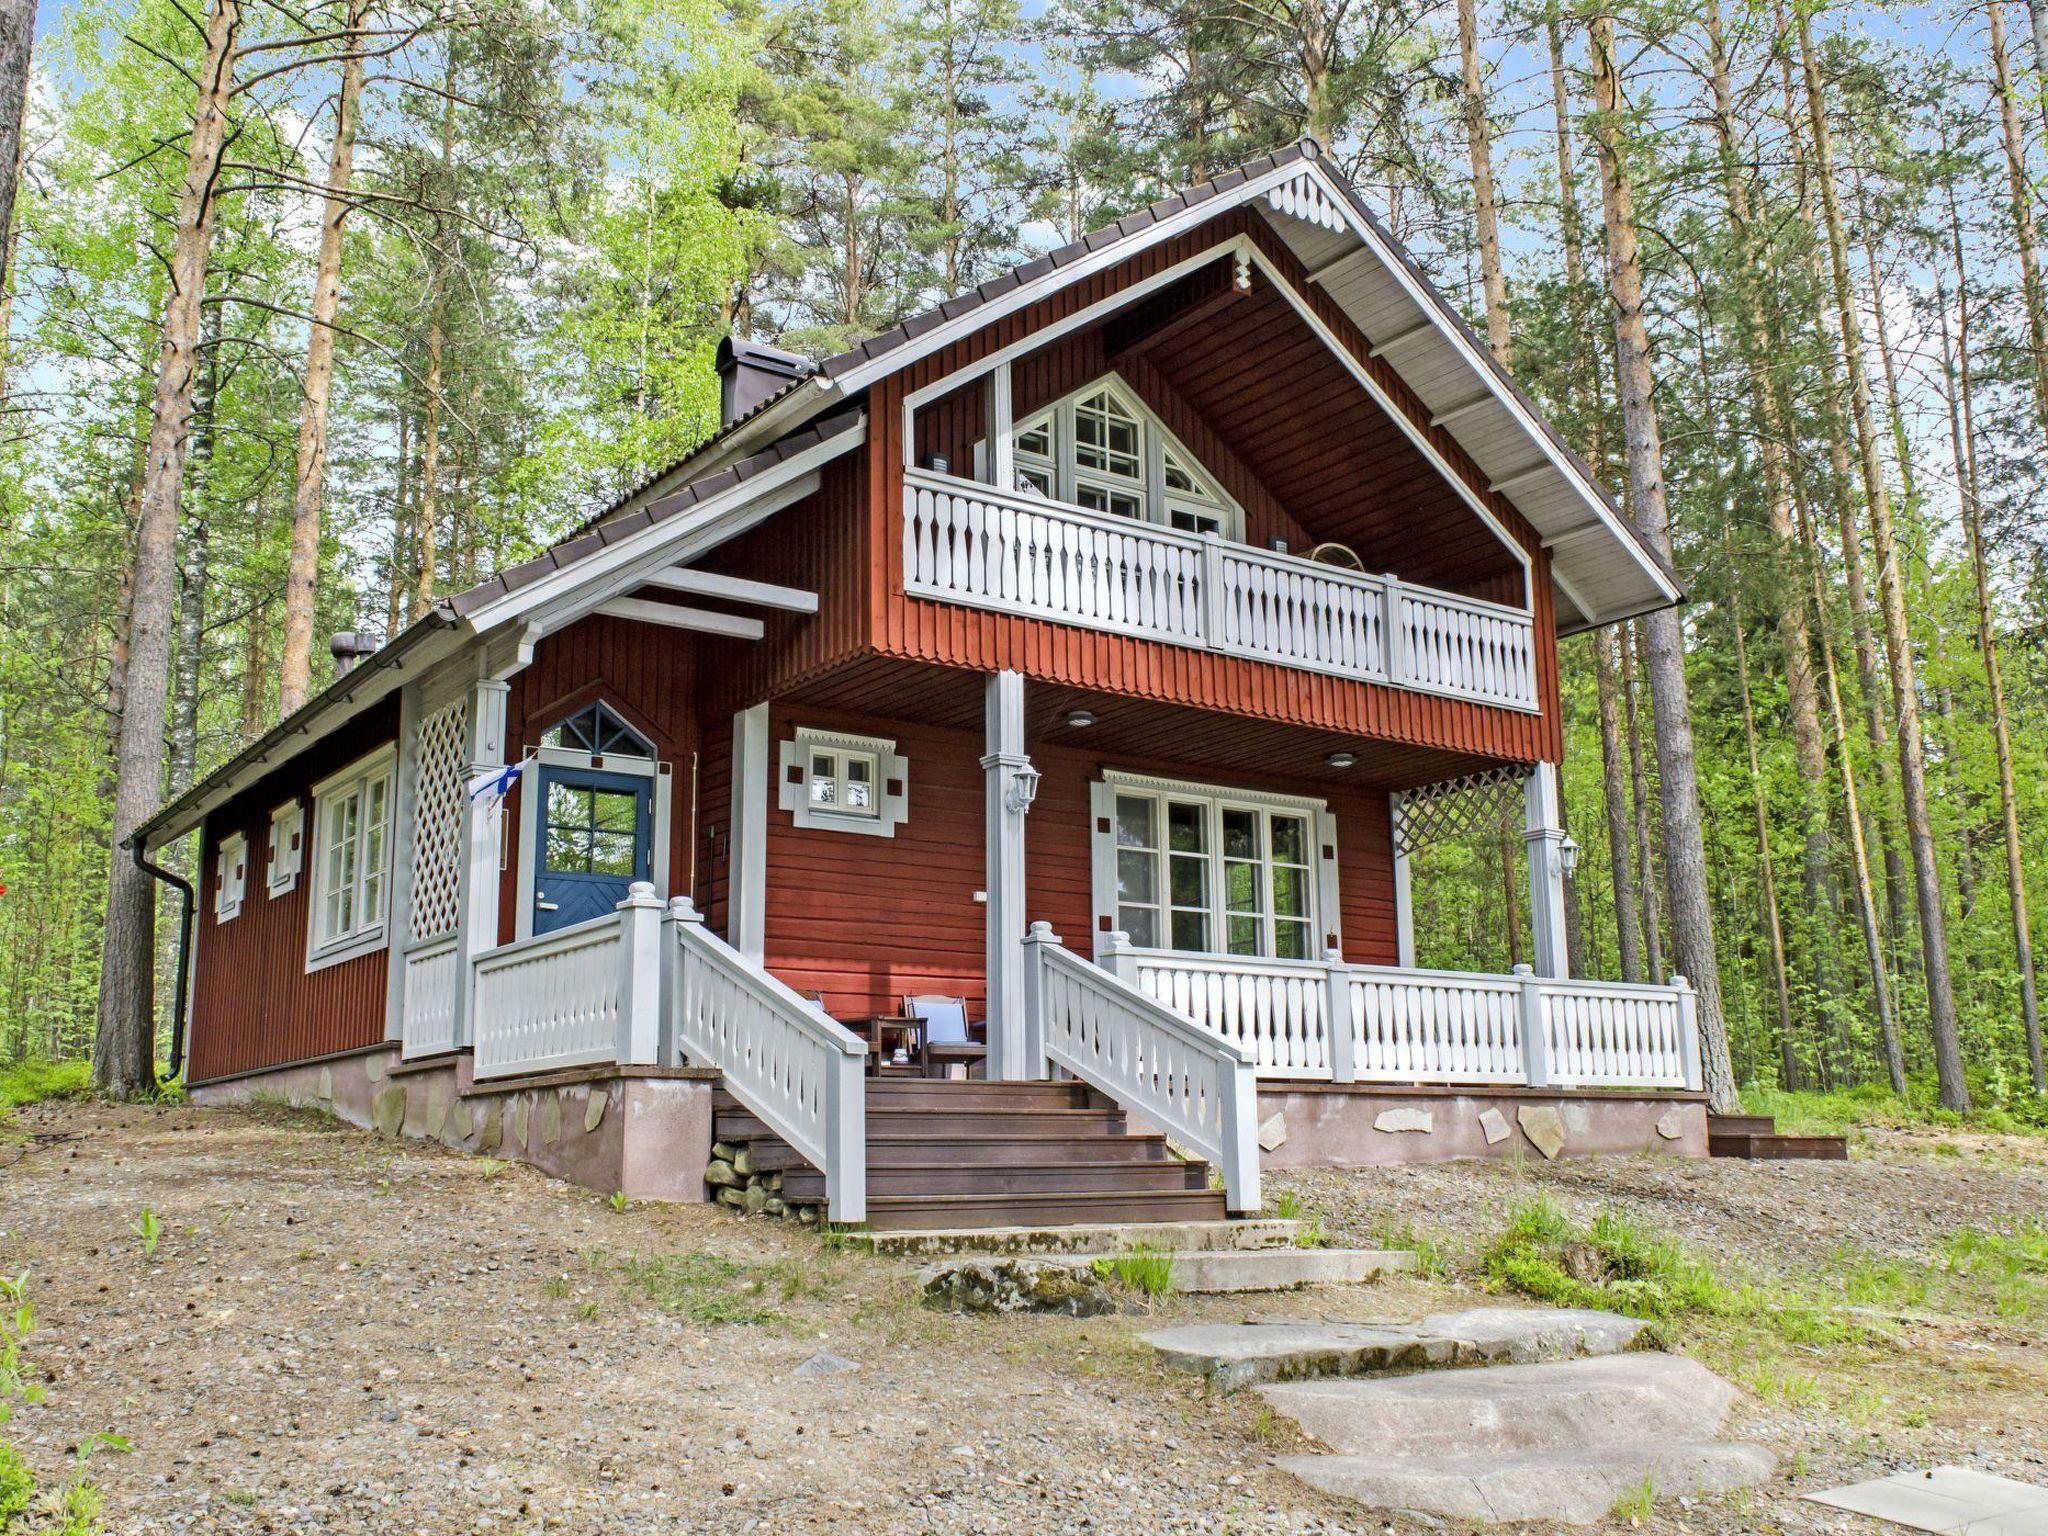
1281 1269
1511 1410
1567 1487
1084 1238
1234 1355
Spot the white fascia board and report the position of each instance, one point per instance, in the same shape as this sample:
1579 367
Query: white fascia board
563 595
1482 368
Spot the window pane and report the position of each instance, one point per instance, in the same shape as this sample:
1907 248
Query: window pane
1038 480
1187 828
1122 504
1241 887
1134 823
1290 940
1141 924
1191 930
860 797
568 850
1244 935
611 853
569 805
615 810
1240 834
1137 877
1190 881
1290 892
1290 840
1036 440
1194 522
859 771
1177 478
824 765
824 788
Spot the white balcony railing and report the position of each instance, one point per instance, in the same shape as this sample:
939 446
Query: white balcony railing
1410 1026
964 542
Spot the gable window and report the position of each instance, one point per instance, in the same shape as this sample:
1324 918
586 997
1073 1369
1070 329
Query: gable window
844 783
1100 448
351 858
599 731
230 876
287 833
1213 872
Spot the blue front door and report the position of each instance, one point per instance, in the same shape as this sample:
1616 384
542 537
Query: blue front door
596 837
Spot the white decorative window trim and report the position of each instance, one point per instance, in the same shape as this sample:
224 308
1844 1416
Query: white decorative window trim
230 876
1053 469
891 782
287 848
365 926
1323 932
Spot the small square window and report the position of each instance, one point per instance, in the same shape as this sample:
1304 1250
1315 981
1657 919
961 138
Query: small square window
287 850
847 783
230 877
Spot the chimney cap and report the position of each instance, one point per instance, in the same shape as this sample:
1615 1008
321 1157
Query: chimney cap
735 351
349 646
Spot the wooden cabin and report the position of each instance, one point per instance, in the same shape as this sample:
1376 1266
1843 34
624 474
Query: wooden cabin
1095 649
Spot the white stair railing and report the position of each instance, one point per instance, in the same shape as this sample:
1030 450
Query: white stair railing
580 996
1191 1083
796 1069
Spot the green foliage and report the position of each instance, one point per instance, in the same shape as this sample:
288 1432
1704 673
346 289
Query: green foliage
32 1082
149 1227
1873 1104
1637 1504
706 1288
1144 1270
1612 1265
2012 1265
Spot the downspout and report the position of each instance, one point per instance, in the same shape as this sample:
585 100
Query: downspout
184 890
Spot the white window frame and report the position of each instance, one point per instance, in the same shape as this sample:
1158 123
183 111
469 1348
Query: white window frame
230 876
371 930
890 781
287 849
1320 871
1207 501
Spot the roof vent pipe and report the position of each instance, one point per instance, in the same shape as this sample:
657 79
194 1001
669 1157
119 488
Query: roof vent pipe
749 373
348 647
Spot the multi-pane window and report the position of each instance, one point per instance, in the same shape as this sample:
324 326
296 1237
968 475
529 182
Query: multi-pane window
1101 449
842 782
592 830
599 731
1212 875
352 828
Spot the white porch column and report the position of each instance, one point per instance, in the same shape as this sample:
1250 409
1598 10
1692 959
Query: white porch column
1010 783
747 892
398 905
1404 892
1544 837
1002 464
476 921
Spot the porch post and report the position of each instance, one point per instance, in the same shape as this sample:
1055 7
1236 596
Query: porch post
476 921
1010 783
1544 838
1002 471
398 906
747 888
1404 895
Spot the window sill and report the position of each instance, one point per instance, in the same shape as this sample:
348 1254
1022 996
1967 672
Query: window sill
346 949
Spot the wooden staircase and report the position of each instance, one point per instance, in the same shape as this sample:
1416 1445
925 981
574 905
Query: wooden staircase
976 1154
1757 1138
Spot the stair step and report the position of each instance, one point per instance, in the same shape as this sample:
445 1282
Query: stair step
1234 1355
1077 1208
1775 1148
927 1093
1283 1269
739 1125
1015 1179
1003 1150
1180 1237
1742 1125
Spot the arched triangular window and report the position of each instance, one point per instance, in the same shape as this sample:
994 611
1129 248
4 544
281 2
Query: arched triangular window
1100 448
599 731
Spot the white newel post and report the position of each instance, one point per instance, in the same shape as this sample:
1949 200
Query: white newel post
640 965
1689 1034
1339 1047
1036 942
747 888
476 923
1404 890
1116 955
1535 1033
1395 636
1010 784
1544 836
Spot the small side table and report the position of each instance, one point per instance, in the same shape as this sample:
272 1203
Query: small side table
885 1033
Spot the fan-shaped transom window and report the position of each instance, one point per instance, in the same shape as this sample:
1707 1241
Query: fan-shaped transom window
1100 448
599 731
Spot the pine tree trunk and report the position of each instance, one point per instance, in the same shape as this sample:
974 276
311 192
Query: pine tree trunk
17 43
425 512
1642 800
124 1050
1478 143
295 667
1685 866
398 580
192 569
2024 231
1962 417
1941 1007
1614 784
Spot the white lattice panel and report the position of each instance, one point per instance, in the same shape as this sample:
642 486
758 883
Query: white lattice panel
437 822
1452 808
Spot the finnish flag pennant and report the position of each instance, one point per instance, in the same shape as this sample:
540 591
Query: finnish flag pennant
499 784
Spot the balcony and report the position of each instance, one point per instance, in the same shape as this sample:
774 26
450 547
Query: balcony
965 542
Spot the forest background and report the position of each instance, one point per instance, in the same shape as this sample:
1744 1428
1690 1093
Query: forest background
469 261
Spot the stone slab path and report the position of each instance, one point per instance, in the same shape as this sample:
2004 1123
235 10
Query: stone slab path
1950 1501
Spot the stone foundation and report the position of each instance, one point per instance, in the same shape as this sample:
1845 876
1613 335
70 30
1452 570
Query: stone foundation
1371 1125
642 1132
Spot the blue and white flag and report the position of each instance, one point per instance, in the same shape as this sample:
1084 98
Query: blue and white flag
499 783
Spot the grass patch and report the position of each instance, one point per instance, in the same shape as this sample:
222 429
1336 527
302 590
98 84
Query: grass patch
2013 1111
1431 1262
1636 1505
2012 1267
708 1289
31 1082
1613 1265
1287 1205
1147 1271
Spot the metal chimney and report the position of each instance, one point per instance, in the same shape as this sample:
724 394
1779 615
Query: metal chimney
349 646
749 372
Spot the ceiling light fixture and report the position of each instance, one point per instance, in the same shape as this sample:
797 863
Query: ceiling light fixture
1340 759
1080 719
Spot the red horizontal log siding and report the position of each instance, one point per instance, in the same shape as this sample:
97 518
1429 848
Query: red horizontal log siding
645 672
866 920
254 1004
951 634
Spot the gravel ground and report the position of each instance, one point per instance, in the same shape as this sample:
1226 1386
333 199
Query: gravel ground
342 1333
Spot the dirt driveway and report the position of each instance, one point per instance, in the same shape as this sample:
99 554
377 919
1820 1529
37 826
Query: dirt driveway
339 1332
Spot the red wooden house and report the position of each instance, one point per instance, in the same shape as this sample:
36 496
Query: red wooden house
1096 648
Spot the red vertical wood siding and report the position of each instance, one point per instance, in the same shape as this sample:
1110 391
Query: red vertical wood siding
254 1004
